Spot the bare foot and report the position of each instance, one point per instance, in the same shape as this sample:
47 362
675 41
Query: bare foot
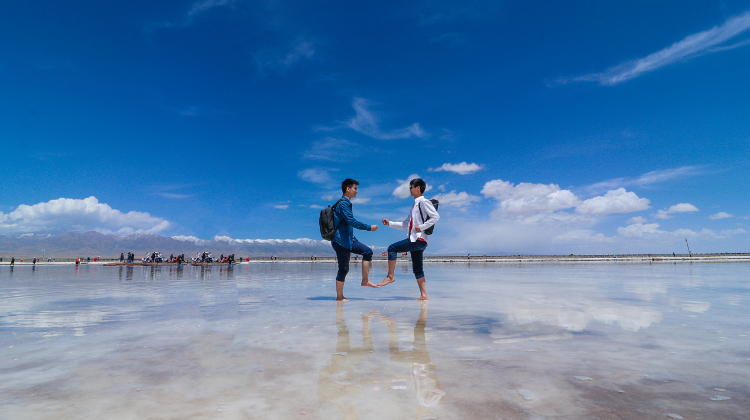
342 299
368 283
423 298
386 281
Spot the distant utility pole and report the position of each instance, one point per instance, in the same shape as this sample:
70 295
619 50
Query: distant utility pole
688 246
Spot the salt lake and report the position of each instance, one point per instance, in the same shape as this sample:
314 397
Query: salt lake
267 341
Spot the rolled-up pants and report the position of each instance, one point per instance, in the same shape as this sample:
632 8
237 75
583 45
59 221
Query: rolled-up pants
417 250
343 254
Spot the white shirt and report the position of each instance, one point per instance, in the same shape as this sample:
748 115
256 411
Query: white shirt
429 212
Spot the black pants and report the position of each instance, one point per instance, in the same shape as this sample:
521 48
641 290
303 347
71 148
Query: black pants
343 254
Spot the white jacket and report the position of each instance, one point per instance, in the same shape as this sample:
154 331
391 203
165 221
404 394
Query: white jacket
428 210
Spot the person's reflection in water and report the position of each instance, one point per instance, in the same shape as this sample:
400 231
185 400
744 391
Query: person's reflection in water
426 383
128 273
335 380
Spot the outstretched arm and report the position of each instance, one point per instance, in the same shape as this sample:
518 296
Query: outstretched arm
346 214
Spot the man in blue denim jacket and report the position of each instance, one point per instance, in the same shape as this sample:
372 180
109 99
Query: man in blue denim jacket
344 242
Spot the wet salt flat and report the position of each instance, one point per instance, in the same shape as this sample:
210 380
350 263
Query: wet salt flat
266 341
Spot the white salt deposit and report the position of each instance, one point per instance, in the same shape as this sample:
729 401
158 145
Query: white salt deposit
527 395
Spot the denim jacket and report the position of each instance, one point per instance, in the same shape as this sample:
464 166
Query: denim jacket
345 232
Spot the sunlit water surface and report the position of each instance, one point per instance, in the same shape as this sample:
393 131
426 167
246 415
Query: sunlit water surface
266 341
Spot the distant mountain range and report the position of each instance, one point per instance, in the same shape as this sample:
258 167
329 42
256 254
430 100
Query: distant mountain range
83 244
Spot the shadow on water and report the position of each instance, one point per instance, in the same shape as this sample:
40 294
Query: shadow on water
337 381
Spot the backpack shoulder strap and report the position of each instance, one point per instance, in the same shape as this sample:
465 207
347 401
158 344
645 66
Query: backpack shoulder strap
334 211
419 206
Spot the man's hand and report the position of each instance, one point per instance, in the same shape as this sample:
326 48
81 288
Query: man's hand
385 222
417 229
373 228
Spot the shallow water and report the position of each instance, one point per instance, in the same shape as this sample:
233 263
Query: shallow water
266 341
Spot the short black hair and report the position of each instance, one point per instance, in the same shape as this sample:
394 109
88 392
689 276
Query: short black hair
348 182
419 183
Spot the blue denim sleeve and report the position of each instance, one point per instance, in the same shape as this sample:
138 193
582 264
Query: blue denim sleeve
346 213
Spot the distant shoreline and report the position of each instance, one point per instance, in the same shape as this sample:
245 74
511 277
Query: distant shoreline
505 259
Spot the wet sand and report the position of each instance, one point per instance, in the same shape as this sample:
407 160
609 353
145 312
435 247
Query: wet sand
588 341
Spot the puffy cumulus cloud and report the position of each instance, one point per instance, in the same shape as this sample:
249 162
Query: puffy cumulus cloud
402 191
614 201
68 215
460 200
639 230
720 215
637 219
677 208
462 168
526 198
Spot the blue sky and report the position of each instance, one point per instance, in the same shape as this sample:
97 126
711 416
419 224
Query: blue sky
542 127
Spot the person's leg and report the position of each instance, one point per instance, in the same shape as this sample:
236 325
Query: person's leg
342 258
393 250
417 261
366 253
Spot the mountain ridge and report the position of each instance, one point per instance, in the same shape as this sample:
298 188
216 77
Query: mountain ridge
107 245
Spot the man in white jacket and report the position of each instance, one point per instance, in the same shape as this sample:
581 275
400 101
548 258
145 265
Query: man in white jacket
416 240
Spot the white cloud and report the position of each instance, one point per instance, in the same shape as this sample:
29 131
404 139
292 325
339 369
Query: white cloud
462 168
677 208
281 206
637 219
68 215
316 207
460 200
720 215
302 50
358 200
201 6
647 179
682 208
738 231
639 230
663 214
526 198
614 201
690 47
368 123
283 59
402 191
333 149
315 175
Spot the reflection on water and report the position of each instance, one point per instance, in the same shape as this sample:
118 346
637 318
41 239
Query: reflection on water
339 382
268 341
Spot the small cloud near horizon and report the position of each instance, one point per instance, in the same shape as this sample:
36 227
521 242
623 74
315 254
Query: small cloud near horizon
462 168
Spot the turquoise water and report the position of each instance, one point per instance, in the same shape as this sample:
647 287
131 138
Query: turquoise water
266 341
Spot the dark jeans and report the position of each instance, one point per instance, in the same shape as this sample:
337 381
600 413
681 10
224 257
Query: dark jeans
343 254
417 250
